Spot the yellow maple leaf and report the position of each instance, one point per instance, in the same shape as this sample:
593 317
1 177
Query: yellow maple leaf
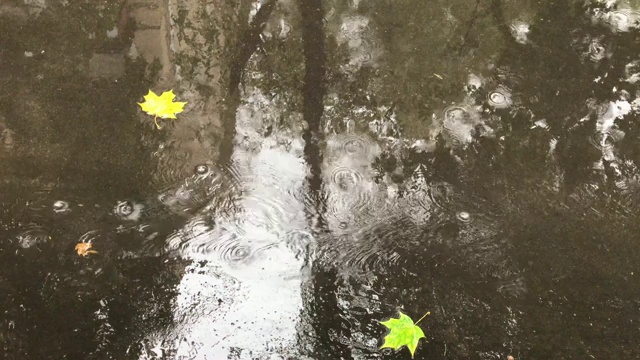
161 106
84 248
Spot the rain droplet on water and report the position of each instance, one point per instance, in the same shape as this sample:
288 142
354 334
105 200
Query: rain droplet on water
458 125
463 216
127 210
345 178
202 169
32 235
474 83
623 20
61 207
520 32
596 50
500 98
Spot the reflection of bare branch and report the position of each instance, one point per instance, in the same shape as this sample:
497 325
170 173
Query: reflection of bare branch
474 17
248 44
501 23
313 91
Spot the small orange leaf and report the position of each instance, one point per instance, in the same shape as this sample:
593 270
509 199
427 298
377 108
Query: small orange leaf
83 248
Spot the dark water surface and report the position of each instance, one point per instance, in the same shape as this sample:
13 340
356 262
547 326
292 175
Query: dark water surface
337 162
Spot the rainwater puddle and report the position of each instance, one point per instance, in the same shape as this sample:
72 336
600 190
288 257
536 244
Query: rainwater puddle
336 162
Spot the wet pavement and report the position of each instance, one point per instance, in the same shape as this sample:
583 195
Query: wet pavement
336 162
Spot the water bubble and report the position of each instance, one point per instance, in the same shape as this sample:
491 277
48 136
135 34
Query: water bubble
202 169
127 210
500 98
463 216
474 83
124 208
60 207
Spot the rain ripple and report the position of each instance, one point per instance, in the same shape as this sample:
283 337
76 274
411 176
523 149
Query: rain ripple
171 165
458 125
500 98
354 146
208 185
61 207
299 241
442 195
33 235
596 51
372 248
605 142
127 210
348 199
623 20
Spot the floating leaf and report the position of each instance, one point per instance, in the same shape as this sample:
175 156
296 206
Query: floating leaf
403 332
84 248
161 106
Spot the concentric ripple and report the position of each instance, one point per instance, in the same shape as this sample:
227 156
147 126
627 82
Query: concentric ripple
90 236
458 125
32 236
463 216
202 169
171 166
474 83
235 253
372 248
347 202
127 210
596 51
346 179
61 207
352 145
602 140
368 258
442 195
500 98
623 20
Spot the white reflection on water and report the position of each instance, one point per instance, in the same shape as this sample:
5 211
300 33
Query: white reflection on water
242 294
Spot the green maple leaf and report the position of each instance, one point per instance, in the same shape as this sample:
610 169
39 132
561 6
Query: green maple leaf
403 332
161 106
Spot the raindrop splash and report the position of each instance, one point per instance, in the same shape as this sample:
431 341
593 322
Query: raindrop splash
127 210
61 207
500 98
33 235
